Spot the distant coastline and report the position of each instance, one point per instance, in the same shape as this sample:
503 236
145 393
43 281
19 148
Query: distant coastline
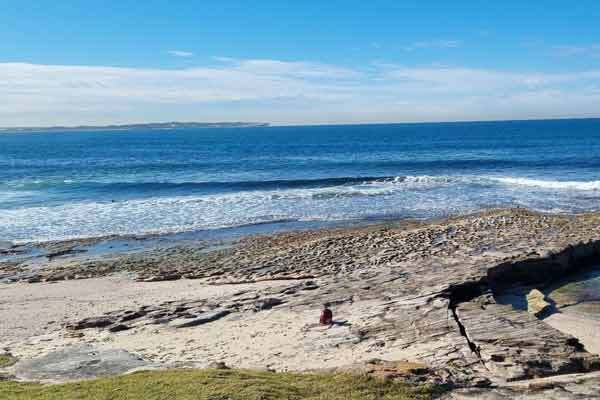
152 126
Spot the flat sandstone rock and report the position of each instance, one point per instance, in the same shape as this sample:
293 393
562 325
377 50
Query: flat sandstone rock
78 362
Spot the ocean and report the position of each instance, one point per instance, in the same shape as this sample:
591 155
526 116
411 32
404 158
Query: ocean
63 185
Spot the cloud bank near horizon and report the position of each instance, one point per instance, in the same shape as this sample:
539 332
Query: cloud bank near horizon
284 92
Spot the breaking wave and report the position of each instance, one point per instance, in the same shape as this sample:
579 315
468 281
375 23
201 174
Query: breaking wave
550 184
175 207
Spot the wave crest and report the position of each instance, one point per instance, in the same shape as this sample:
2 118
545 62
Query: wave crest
547 184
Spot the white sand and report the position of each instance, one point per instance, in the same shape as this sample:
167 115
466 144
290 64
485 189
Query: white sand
586 329
33 316
35 309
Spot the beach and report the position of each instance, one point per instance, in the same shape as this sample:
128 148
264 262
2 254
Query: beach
460 256
423 292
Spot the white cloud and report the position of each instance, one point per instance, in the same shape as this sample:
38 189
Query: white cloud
291 69
287 92
180 53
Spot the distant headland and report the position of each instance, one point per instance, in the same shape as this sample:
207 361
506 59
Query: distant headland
153 126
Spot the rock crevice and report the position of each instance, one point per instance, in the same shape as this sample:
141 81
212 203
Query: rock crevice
463 331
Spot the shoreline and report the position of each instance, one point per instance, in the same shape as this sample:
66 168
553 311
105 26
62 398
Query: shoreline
234 233
261 228
411 291
97 248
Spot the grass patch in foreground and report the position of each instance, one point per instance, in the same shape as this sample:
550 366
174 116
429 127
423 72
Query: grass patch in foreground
6 360
218 385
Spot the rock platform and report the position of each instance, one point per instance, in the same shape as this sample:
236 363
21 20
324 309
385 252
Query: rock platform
427 294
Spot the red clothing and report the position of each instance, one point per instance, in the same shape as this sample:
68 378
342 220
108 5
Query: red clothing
326 317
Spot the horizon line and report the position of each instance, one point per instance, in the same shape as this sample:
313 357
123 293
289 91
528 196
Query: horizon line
265 124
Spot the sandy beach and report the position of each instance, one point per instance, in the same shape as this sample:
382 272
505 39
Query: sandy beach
280 339
415 292
582 327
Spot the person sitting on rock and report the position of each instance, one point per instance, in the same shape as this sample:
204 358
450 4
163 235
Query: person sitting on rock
326 315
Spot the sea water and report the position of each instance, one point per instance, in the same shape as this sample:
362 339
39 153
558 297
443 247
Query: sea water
58 185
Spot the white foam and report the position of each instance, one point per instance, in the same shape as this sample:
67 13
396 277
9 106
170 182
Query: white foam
183 213
426 179
549 184
414 196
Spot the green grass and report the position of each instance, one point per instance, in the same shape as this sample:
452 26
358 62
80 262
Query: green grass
6 360
218 385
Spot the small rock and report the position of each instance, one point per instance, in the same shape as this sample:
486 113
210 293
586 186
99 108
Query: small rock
267 303
310 285
59 276
93 322
132 315
74 335
199 320
161 277
537 304
119 328
218 365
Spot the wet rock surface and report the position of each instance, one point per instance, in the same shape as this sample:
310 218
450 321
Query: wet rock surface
489 237
429 293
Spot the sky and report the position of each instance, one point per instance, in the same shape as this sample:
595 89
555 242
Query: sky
306 62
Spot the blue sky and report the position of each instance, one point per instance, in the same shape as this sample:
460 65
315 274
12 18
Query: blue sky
309 62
